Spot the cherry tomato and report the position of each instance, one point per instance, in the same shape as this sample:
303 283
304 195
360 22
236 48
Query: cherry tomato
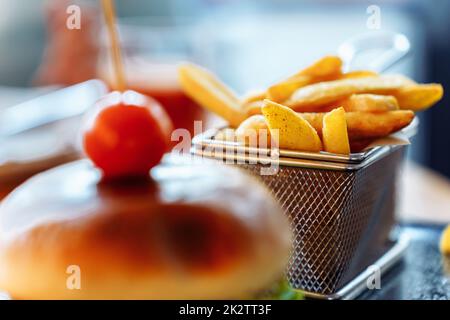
126 134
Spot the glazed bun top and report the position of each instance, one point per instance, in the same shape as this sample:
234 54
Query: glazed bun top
192 231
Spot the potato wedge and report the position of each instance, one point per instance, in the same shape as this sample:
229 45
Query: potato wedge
370 103
204 88
419 97
334 132
325 93
364 125
445 241
254 131
293 131
325 69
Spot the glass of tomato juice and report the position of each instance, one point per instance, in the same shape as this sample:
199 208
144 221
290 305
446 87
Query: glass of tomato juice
152 48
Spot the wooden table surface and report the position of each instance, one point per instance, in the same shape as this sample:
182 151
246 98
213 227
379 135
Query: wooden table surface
424 195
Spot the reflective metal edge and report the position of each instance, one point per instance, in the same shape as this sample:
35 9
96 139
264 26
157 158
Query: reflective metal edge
206 139
246 158
359 284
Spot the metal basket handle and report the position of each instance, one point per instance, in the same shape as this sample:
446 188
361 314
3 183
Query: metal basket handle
395 47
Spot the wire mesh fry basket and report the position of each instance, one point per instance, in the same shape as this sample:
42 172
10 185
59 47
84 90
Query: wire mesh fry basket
341 209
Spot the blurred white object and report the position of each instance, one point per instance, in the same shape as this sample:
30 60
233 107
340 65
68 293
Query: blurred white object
58 105
4 296
376 51
41 133
255 50
11 96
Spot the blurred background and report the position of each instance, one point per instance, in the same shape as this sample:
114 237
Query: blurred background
250 44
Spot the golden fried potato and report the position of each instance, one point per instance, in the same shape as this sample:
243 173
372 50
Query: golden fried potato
253 96
445 241
252 102
325 93
254 131
328 66
204 88
370 103
364 125
358 74
315 119
283 90
292 130
419 97
334 132
253 108
325 69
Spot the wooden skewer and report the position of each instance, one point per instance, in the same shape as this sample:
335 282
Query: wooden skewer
110 18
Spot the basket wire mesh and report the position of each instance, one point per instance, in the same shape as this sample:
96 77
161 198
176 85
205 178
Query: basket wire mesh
341 217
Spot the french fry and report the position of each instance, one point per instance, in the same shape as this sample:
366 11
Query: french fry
283 90
253 108
370 103
204 88
325 93
293 131
334 132
358 74
344 109
252 130
419 97
327 68
252 102
364 125
253 96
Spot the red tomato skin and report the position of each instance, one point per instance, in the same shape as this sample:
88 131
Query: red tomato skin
126 134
